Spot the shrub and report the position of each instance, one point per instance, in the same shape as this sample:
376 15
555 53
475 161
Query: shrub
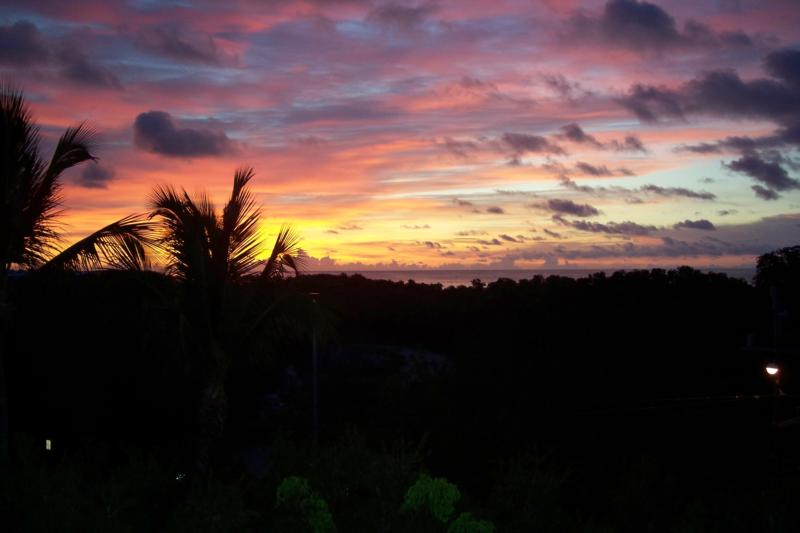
296 496
436 496
465 523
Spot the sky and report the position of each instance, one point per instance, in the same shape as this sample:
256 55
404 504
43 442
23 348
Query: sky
436 134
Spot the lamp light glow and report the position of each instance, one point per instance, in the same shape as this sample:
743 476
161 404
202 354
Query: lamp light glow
772 369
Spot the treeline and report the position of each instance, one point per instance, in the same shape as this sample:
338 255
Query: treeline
624 402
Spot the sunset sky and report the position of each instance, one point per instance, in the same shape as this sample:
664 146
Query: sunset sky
441 134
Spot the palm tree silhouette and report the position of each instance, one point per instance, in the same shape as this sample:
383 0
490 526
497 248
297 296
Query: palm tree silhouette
208 252
30 206
30 196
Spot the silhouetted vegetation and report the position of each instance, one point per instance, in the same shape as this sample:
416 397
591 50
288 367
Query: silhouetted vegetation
30 206
635 401
210 253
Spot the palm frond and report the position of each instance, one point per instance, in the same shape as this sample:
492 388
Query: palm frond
202 247
74 147
239 231
286 254
30 191
24 239
183 237
120 245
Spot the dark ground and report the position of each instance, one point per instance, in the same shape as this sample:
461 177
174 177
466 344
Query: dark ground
631 402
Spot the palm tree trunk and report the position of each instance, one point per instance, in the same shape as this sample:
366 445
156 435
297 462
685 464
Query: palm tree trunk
212 412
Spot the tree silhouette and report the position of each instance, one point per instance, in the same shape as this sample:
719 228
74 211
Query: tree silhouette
30 205
779 267
209 251
31 199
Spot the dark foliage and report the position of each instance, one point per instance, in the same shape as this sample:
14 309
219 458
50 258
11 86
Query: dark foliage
627 402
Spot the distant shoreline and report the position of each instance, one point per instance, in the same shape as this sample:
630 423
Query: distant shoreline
455 277
547 270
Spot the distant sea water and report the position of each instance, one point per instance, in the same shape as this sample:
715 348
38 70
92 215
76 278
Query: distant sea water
454 278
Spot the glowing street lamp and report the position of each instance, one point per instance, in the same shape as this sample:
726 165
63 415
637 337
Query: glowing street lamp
774 372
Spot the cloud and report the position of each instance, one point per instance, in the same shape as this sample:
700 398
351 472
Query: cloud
459 148
508 238
350 227
401 16
620 228
769 173
155 131
470 83
722 93
568 207
574 133
21 44
567 89
638 24
550 261
733 143
677 191
747 240
719 93
631 143
513 145
178 42
77 69
571 208
701 224
95 176
782 137
630 195
726 212
764 193
329 264
416 226
552 233
784 65
593 170
651 104
521 143
494 210
645 27
462 203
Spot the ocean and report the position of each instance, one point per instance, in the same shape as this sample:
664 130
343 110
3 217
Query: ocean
454 278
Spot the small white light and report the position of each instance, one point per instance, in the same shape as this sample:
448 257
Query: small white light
180 477
772 369
48 445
